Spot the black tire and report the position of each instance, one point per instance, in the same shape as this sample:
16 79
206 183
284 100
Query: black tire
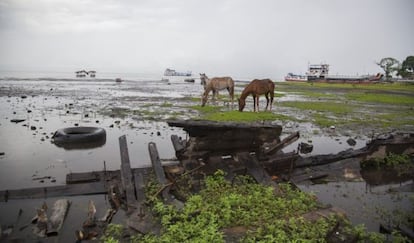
74 135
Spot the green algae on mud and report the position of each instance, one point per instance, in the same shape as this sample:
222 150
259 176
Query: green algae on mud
246 116
371 106
215 113
375 97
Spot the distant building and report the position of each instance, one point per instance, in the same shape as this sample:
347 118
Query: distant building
85 74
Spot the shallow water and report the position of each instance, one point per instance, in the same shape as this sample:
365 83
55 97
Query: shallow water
51 104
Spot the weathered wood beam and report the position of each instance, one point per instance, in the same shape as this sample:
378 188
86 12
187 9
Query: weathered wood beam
178 144
54 191
160 174
126 174
256 170
274 147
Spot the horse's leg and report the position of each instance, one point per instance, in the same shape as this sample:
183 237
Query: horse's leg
205 97
214 96
257 102
254 103
231 93
267 101
271 99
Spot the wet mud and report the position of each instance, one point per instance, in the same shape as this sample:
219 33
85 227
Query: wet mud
31 110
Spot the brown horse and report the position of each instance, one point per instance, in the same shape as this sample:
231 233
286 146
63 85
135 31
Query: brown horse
258 87
216 84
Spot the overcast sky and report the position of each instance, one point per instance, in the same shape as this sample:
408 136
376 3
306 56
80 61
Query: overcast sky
240 38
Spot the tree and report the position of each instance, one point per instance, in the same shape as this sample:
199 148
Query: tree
407 68
389 65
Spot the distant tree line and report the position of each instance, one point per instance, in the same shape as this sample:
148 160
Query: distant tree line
393 66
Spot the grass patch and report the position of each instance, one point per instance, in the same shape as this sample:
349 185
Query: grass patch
382 98
390 161
335 108
205 109
245 116
377 86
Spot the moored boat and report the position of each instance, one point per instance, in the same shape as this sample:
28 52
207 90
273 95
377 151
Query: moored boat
296 77
320 73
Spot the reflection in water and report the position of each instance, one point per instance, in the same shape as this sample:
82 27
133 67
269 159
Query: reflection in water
375 177
80 146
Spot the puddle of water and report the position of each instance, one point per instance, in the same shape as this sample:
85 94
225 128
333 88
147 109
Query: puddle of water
363 203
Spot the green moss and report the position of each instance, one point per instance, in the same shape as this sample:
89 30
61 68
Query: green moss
245 116
382 98
333 86
205 109
335 108
166 105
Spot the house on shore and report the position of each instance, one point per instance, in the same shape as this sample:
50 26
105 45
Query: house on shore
85 74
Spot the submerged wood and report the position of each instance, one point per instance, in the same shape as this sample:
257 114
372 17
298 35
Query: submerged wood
277 145
54 191
59 211
377 148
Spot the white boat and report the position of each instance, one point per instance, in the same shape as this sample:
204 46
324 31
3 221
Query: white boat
296 77
172 72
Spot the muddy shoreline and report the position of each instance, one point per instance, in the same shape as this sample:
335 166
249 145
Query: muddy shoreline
139 110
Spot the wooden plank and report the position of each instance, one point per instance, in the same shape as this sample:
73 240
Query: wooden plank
156 163
54 191
272 148
178 144
139 186
126 174
228 133
159 171
256 170
160 174
73 178
308 176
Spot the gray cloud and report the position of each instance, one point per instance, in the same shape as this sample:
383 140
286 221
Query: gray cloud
245 39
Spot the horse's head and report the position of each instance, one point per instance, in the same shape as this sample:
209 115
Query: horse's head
242 104
204 100
203 78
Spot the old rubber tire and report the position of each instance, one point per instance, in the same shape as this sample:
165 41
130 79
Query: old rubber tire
71 135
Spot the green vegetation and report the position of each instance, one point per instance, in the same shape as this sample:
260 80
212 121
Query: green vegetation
245 116
391 161
214 113
264 215
382 98
335 108
391 65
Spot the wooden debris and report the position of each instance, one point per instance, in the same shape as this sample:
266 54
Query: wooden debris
277 145
40 228
223 138
255 170
160 174
59 211
54 191
73 178
178 143
91 219
126 174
